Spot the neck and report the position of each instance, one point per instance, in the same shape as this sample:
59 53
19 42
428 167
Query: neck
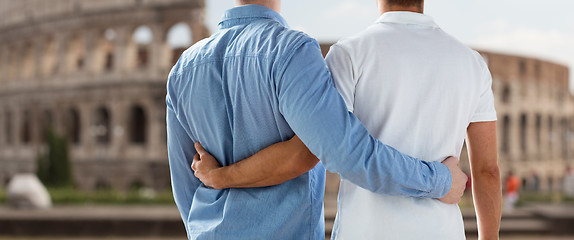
384 7
273 4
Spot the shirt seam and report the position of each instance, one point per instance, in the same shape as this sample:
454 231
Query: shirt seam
208 61
295 47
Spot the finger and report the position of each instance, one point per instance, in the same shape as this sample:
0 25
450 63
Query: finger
195 161
199 148
193 166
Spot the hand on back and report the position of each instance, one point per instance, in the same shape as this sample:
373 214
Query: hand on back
204 166
459 180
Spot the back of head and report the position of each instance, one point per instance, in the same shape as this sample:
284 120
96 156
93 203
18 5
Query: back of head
405 3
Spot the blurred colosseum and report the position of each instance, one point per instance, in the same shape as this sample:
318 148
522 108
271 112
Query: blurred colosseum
95 71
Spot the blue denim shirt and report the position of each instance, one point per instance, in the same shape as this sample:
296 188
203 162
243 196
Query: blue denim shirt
253 83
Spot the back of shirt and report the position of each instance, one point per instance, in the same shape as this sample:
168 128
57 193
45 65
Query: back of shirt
222 93
417 89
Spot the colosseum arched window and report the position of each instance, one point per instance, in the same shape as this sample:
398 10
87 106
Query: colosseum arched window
506 93
506 134
73 127
28 61
46 123
550 132
102 129
49 62
537 71
76 53
137 125
523 133
179 38
564 138
538 130
12 65
142 37
8 137
108 49
25 131
3 67
522 67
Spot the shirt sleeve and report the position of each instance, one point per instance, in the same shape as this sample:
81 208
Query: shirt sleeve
485 111
180 150
341 68
318 115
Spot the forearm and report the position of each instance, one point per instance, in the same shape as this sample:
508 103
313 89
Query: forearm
487 194
273 165
482 151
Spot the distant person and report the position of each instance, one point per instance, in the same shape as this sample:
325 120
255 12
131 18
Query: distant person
420 90
255 82
568 184
512 188
535 182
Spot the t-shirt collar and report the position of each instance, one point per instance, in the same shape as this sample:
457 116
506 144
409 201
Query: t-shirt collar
404 17
248 13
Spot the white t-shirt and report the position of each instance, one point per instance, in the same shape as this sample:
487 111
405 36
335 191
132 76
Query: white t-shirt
416 89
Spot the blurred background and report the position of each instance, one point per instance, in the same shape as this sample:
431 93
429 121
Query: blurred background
82 108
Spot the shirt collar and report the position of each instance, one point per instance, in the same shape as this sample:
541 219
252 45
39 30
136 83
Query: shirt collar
248 13
407 18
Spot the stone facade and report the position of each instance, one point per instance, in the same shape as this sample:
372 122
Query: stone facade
77 67
535 118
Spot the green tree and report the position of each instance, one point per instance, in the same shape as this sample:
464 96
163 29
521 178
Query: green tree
54 168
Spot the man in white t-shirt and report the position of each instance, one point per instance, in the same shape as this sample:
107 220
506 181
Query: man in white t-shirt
401 77
422 92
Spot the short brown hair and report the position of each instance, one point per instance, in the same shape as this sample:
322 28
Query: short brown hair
406 3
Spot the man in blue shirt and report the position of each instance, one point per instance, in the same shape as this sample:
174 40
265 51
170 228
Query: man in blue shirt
254 83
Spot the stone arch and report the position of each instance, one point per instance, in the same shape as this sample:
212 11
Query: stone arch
8 128
106 49
26 128
179 38
550 132
137 125
523 132
3 63
538 126
102 126
142 38
49 58
76 53
27 68
564 138
523 67
73 126
506 134
506 93
12 64
46 123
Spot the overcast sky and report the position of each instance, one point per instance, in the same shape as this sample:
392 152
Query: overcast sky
532 28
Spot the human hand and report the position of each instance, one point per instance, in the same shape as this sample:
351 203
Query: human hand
459 179
205 166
